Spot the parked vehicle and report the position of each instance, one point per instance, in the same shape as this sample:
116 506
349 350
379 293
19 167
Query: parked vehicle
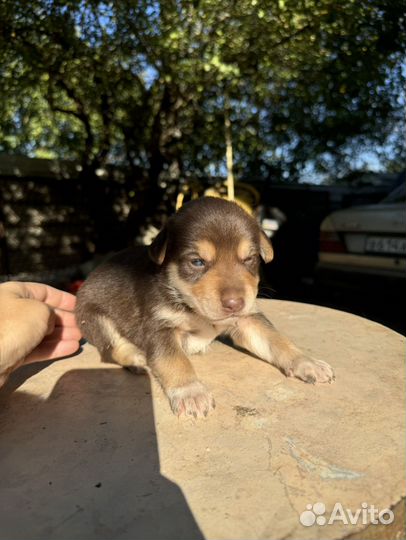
365 240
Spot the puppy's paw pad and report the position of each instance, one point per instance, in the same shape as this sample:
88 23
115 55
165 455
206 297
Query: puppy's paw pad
191 400
312 371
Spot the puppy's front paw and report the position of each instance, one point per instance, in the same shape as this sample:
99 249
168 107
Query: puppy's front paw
192 400
311 371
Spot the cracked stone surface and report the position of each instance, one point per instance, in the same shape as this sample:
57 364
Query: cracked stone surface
89 450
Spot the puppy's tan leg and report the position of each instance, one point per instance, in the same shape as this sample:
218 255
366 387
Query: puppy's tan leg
120 349
258 335
128 355
186 394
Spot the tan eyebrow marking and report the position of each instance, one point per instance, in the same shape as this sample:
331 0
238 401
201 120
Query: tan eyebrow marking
244 249
206 249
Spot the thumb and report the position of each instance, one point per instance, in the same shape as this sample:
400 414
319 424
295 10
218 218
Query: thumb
51 322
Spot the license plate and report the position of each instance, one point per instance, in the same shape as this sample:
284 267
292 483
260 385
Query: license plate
383 244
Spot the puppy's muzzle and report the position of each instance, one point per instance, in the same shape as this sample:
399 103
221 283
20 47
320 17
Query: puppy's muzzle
232 301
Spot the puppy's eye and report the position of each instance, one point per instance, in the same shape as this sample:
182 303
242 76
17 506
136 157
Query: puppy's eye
198 263
250 259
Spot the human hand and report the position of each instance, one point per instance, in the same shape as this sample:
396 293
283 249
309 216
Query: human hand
36 323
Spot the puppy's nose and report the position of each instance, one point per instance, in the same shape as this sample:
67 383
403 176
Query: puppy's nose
232 303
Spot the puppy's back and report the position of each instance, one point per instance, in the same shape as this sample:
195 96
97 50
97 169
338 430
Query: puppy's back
118 291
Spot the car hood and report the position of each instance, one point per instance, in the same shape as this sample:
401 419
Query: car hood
379 218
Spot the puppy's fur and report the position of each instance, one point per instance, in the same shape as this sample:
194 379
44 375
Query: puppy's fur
151 307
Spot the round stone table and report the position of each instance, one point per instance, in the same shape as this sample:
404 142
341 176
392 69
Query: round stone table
91 451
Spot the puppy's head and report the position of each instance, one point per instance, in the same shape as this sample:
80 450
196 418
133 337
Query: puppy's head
211 251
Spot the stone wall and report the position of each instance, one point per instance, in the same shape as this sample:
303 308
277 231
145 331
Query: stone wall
45 218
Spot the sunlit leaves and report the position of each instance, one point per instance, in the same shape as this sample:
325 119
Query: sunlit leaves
144 82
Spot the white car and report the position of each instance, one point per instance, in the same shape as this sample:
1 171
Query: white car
369 240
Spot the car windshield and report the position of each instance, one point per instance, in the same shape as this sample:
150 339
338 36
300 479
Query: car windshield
397 195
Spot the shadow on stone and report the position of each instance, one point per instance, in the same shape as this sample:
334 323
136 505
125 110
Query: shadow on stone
84 463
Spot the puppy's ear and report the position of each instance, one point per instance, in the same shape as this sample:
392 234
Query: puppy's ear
157 250
265 247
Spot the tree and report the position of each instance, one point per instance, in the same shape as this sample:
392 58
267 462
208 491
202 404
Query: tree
145 83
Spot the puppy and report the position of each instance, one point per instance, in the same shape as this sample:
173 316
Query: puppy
151 307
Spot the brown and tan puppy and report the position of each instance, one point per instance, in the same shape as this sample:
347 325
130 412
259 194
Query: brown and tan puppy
152 307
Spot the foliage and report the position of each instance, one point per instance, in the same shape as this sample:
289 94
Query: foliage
312 85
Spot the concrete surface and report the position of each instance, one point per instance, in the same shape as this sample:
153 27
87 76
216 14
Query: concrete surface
90 451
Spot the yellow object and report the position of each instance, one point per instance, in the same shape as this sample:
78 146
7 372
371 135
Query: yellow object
246 196
179 201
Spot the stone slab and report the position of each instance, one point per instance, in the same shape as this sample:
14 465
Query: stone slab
90 451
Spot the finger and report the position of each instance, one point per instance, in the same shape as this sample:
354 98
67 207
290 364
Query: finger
50 350
60 299
65 318
64 333
51 296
